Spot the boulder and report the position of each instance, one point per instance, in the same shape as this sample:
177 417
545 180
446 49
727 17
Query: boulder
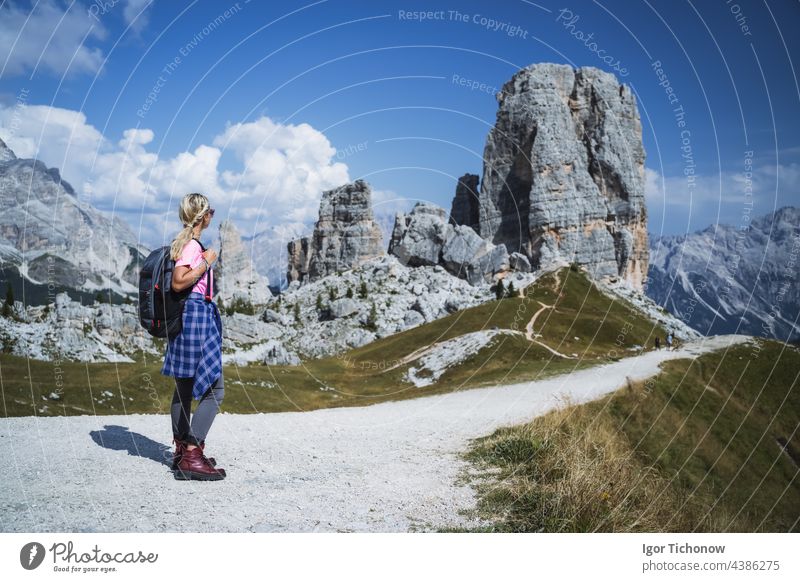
275 354
418 237
425 237
413 318
343 307
470 257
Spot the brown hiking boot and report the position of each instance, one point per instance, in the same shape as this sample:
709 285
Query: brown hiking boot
180 446
211 460
195 465
176 456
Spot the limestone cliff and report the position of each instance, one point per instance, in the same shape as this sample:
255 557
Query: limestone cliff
563 173
345 235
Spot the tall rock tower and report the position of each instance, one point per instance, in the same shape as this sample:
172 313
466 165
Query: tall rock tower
345 235
563 173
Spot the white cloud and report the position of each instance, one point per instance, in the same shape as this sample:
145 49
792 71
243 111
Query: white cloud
386 204
287 166
50 37
275 176
136 13
60 137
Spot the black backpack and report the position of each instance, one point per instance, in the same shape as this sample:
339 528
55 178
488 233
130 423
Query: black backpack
160 307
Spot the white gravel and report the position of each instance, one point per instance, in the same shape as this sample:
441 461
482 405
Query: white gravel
386 467
442 356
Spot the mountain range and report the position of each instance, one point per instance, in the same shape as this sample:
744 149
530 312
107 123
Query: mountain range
727 279
56 242
559 186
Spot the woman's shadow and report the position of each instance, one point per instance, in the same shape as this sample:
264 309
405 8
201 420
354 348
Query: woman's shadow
120 438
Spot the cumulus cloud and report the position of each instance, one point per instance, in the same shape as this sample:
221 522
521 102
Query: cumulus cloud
61 137
274 174
49 36
287 166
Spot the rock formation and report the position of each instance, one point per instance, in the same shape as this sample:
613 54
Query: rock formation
235 276
345 235
466 203
424 237
6 155
418 237
402 297
299 258
563 174
69 330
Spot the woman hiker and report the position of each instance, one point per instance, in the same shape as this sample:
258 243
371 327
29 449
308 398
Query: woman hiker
194 356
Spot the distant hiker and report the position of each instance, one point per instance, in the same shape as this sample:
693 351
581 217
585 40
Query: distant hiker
669 341
194 357
658 342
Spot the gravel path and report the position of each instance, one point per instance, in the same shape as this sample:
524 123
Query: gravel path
386 467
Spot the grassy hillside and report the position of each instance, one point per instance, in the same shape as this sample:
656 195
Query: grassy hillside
708 445
583 325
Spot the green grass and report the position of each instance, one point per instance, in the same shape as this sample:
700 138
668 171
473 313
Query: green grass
606 329
694 449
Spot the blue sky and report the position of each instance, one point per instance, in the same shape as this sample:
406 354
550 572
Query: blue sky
262 105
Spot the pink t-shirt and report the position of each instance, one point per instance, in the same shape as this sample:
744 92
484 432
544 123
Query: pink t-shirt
193 256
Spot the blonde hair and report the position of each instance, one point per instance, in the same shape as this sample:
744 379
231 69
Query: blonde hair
191 211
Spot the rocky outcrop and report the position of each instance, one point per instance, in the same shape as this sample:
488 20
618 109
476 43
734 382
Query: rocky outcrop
299 259
466 203
519 262
467 255
425 237
235 276
563 174
418 237
54 241
66 330
313 324
6 155
345 235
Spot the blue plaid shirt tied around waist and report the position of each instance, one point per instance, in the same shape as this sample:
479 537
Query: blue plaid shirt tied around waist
197 350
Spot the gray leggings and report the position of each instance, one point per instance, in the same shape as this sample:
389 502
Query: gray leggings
194 431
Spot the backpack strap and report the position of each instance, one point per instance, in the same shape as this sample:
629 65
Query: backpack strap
208 274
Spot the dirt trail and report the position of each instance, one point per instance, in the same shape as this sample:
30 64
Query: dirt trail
529 328
531 336
387 467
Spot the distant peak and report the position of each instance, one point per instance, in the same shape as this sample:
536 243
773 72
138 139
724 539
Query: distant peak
6 154
228 225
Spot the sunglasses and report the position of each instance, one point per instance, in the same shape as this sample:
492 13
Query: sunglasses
211 212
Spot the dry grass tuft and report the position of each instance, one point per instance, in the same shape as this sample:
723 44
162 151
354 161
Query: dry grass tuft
572 470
